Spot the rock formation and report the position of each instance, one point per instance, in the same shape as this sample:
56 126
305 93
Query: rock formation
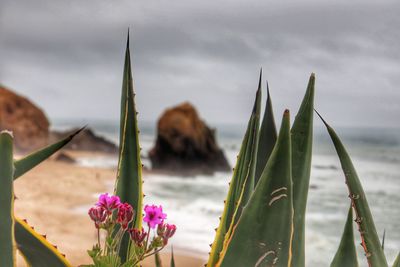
86 140
28 122
30 127
64 157
186 144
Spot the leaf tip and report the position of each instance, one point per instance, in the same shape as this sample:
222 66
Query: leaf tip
322 119
127 38
286 112
7 132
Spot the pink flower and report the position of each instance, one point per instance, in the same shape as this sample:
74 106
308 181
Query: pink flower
109 203
137 236
98 215
154 215
125 215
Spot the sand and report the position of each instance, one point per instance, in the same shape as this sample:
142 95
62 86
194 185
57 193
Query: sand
54 198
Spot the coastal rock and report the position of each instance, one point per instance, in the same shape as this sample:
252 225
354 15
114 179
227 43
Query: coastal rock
86 140
64 157
28 122
186 144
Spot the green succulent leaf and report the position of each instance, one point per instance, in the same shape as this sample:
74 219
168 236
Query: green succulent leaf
302 136
157 260
29 162
264 232
242 182
267 138
369 237
7 239
397 261
35 249
128 184
172 264
346 255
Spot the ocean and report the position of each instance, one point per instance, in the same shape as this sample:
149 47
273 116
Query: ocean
195 203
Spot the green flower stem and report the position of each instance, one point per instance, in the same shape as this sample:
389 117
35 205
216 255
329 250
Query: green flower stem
147 241
98 237
118 239
154 252
128 251
148 255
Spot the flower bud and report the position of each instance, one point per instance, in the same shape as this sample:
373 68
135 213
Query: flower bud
170 230
98 215
137 236
161 229
125 215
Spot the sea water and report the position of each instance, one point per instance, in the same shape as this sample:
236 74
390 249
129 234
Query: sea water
195 203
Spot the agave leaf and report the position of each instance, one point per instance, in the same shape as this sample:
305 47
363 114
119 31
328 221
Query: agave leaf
128 185
7 240
397 261
263 234
172 264
35 249
242 183
267 138
383 239
29 162
302 135
346 255
157 260
369 237
249 182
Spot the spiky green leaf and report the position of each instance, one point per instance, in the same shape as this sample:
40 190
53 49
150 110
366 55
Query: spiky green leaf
346 255
128 185
242 183
267 138
369 237
29 162
263 234
7 240
397 261
35 249
302 136
157 260
172 264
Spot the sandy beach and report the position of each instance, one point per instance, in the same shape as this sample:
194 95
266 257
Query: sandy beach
54 198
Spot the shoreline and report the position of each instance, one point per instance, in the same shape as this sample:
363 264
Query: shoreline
51 197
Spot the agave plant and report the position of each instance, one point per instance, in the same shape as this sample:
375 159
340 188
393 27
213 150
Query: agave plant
265 219
264 225
16 234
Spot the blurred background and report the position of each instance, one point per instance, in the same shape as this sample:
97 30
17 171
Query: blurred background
66 57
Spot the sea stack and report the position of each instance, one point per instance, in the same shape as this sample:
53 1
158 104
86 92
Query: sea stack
185 144
27 121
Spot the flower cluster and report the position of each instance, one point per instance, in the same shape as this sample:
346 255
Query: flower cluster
109 212
166 231
102 212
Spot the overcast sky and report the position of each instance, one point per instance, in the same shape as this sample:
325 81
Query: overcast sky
67 56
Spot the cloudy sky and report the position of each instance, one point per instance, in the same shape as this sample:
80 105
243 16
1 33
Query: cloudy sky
67 56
